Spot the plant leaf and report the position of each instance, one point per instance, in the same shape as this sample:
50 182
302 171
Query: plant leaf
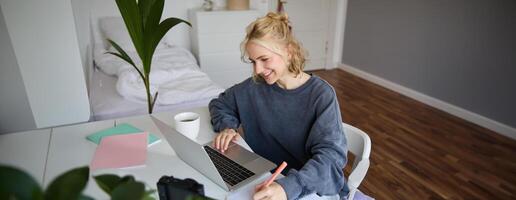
133 22
153 38
136 68
149 192
154 17
86 197
128 191
16 184
142 20
151 24
107 182
147 195
124 56
150 11
127 179
68 185
148 198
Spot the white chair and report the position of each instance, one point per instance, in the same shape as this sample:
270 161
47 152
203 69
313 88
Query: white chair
359 144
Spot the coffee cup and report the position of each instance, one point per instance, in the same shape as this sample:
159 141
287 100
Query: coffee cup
188 124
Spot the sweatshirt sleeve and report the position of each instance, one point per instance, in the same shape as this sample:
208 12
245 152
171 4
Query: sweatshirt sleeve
322 173
223 110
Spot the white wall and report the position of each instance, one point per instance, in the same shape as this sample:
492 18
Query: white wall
44 40
15 113
81 13
458 56
337 21
179 35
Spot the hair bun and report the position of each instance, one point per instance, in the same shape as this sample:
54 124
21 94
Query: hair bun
283 17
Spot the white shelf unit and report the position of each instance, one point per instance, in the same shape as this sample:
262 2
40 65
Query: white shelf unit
216 38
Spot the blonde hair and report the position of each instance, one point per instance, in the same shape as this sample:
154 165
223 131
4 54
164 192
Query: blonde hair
273 31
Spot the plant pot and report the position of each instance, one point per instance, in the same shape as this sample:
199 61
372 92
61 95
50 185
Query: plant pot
238 4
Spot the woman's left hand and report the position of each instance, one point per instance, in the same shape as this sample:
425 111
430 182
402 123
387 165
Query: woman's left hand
273 192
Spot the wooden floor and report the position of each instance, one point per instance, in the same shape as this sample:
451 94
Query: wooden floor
420 152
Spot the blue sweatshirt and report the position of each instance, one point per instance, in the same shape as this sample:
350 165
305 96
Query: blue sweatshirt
301 126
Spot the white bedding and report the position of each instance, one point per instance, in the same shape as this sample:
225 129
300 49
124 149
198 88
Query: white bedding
174 74
106 103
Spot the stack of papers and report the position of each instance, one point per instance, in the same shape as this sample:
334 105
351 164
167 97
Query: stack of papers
120 151
120 130
120 147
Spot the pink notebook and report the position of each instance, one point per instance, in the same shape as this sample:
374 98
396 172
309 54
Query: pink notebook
120 151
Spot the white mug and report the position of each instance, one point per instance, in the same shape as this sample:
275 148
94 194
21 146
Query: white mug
188 124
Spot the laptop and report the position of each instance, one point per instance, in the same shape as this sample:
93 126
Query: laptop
234 168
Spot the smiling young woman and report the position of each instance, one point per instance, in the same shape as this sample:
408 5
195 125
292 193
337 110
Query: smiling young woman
286 114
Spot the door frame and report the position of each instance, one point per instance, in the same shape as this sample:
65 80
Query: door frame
336 29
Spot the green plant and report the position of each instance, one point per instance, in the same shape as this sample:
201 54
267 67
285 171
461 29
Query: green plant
123 187
142 20
16 184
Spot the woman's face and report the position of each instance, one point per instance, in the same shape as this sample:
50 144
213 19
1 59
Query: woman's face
266 63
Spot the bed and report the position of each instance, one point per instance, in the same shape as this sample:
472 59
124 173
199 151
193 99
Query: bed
117 91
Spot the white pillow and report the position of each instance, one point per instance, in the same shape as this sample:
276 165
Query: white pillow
114 28
129 48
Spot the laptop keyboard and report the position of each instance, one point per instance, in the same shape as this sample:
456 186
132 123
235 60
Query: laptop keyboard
231 172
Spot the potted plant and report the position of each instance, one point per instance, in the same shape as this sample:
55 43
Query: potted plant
16 184
142 20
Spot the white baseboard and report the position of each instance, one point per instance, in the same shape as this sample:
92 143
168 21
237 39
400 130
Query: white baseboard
436 103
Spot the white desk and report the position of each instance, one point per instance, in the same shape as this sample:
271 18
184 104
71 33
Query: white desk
47 153
70 149
26 150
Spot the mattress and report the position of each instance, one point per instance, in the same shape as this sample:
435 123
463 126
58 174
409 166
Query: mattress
106 103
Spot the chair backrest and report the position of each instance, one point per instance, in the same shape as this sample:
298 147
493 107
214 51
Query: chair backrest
358 143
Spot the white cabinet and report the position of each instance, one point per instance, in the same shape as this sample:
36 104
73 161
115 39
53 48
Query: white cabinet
216 39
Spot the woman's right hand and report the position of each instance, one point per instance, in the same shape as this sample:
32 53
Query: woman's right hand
223 139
